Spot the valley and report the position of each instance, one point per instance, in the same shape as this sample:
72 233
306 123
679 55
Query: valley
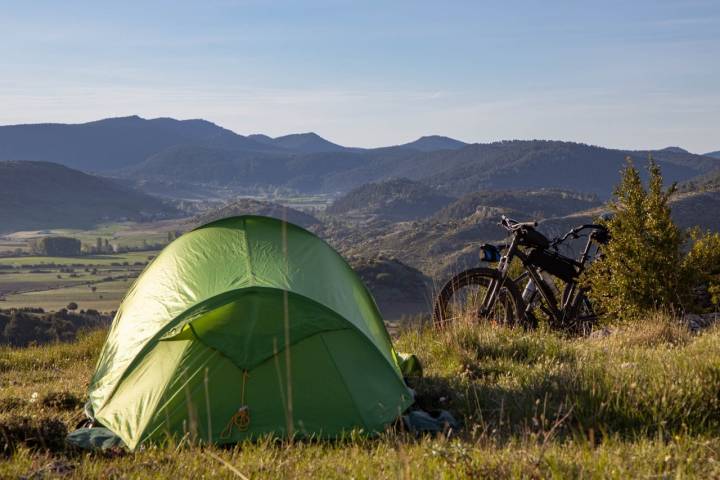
405 216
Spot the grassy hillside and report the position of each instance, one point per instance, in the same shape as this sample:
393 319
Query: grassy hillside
532 405
41 195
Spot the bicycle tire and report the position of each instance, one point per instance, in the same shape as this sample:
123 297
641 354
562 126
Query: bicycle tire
584 318
480 277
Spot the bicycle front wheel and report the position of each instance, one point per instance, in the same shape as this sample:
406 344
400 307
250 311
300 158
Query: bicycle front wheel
462 297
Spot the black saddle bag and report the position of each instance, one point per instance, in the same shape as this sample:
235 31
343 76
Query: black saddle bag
555 264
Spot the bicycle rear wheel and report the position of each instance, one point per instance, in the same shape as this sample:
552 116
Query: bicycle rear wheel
583 318
462 296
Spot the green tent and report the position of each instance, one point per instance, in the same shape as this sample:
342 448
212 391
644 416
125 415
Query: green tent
244 327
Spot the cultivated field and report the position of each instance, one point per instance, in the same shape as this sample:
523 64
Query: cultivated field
640 402
94 281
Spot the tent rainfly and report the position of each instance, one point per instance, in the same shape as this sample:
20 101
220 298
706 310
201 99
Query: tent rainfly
245 327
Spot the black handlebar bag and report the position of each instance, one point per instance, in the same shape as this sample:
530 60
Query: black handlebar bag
529 237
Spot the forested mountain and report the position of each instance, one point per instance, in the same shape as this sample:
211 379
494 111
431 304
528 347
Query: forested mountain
200 156
435 142
713 154
301 143
500 166
113 143
531 205
41 195
395 200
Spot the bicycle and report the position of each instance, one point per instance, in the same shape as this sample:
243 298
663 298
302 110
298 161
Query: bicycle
495 297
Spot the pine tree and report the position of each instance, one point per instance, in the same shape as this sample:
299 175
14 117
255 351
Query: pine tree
642 268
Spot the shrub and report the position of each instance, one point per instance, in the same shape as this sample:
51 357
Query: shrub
703 264
642 268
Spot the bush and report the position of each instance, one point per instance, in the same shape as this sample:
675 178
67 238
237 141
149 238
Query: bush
703 264
642 268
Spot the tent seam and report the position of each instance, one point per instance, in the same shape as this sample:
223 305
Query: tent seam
248 257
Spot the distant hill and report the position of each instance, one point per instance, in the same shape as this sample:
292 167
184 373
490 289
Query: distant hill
301 143
42 195
523 165
539 164
450 239
248 206
701 209
197 156
435 142
113 143
394 200
531 205
689 209
397 288
706 181
713 154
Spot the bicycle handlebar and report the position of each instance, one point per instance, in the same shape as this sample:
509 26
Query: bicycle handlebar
511 224
574 232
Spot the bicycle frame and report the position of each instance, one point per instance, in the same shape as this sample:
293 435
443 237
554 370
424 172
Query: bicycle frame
558 313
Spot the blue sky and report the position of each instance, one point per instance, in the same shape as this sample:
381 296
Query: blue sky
629 74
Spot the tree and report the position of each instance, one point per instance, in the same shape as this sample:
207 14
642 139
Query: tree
703 266
59 246
72 306
23 329
642 268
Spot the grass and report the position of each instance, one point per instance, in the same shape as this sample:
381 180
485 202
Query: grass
637 403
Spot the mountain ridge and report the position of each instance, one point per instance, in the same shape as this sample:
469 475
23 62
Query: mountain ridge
113 143
203 155
309 142
518 164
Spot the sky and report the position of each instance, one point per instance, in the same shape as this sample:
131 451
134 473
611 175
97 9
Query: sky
624 74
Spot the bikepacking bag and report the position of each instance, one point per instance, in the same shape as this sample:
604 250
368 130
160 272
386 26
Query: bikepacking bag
555 264
530 237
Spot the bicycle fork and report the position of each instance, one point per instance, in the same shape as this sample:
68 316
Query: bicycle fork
491 295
